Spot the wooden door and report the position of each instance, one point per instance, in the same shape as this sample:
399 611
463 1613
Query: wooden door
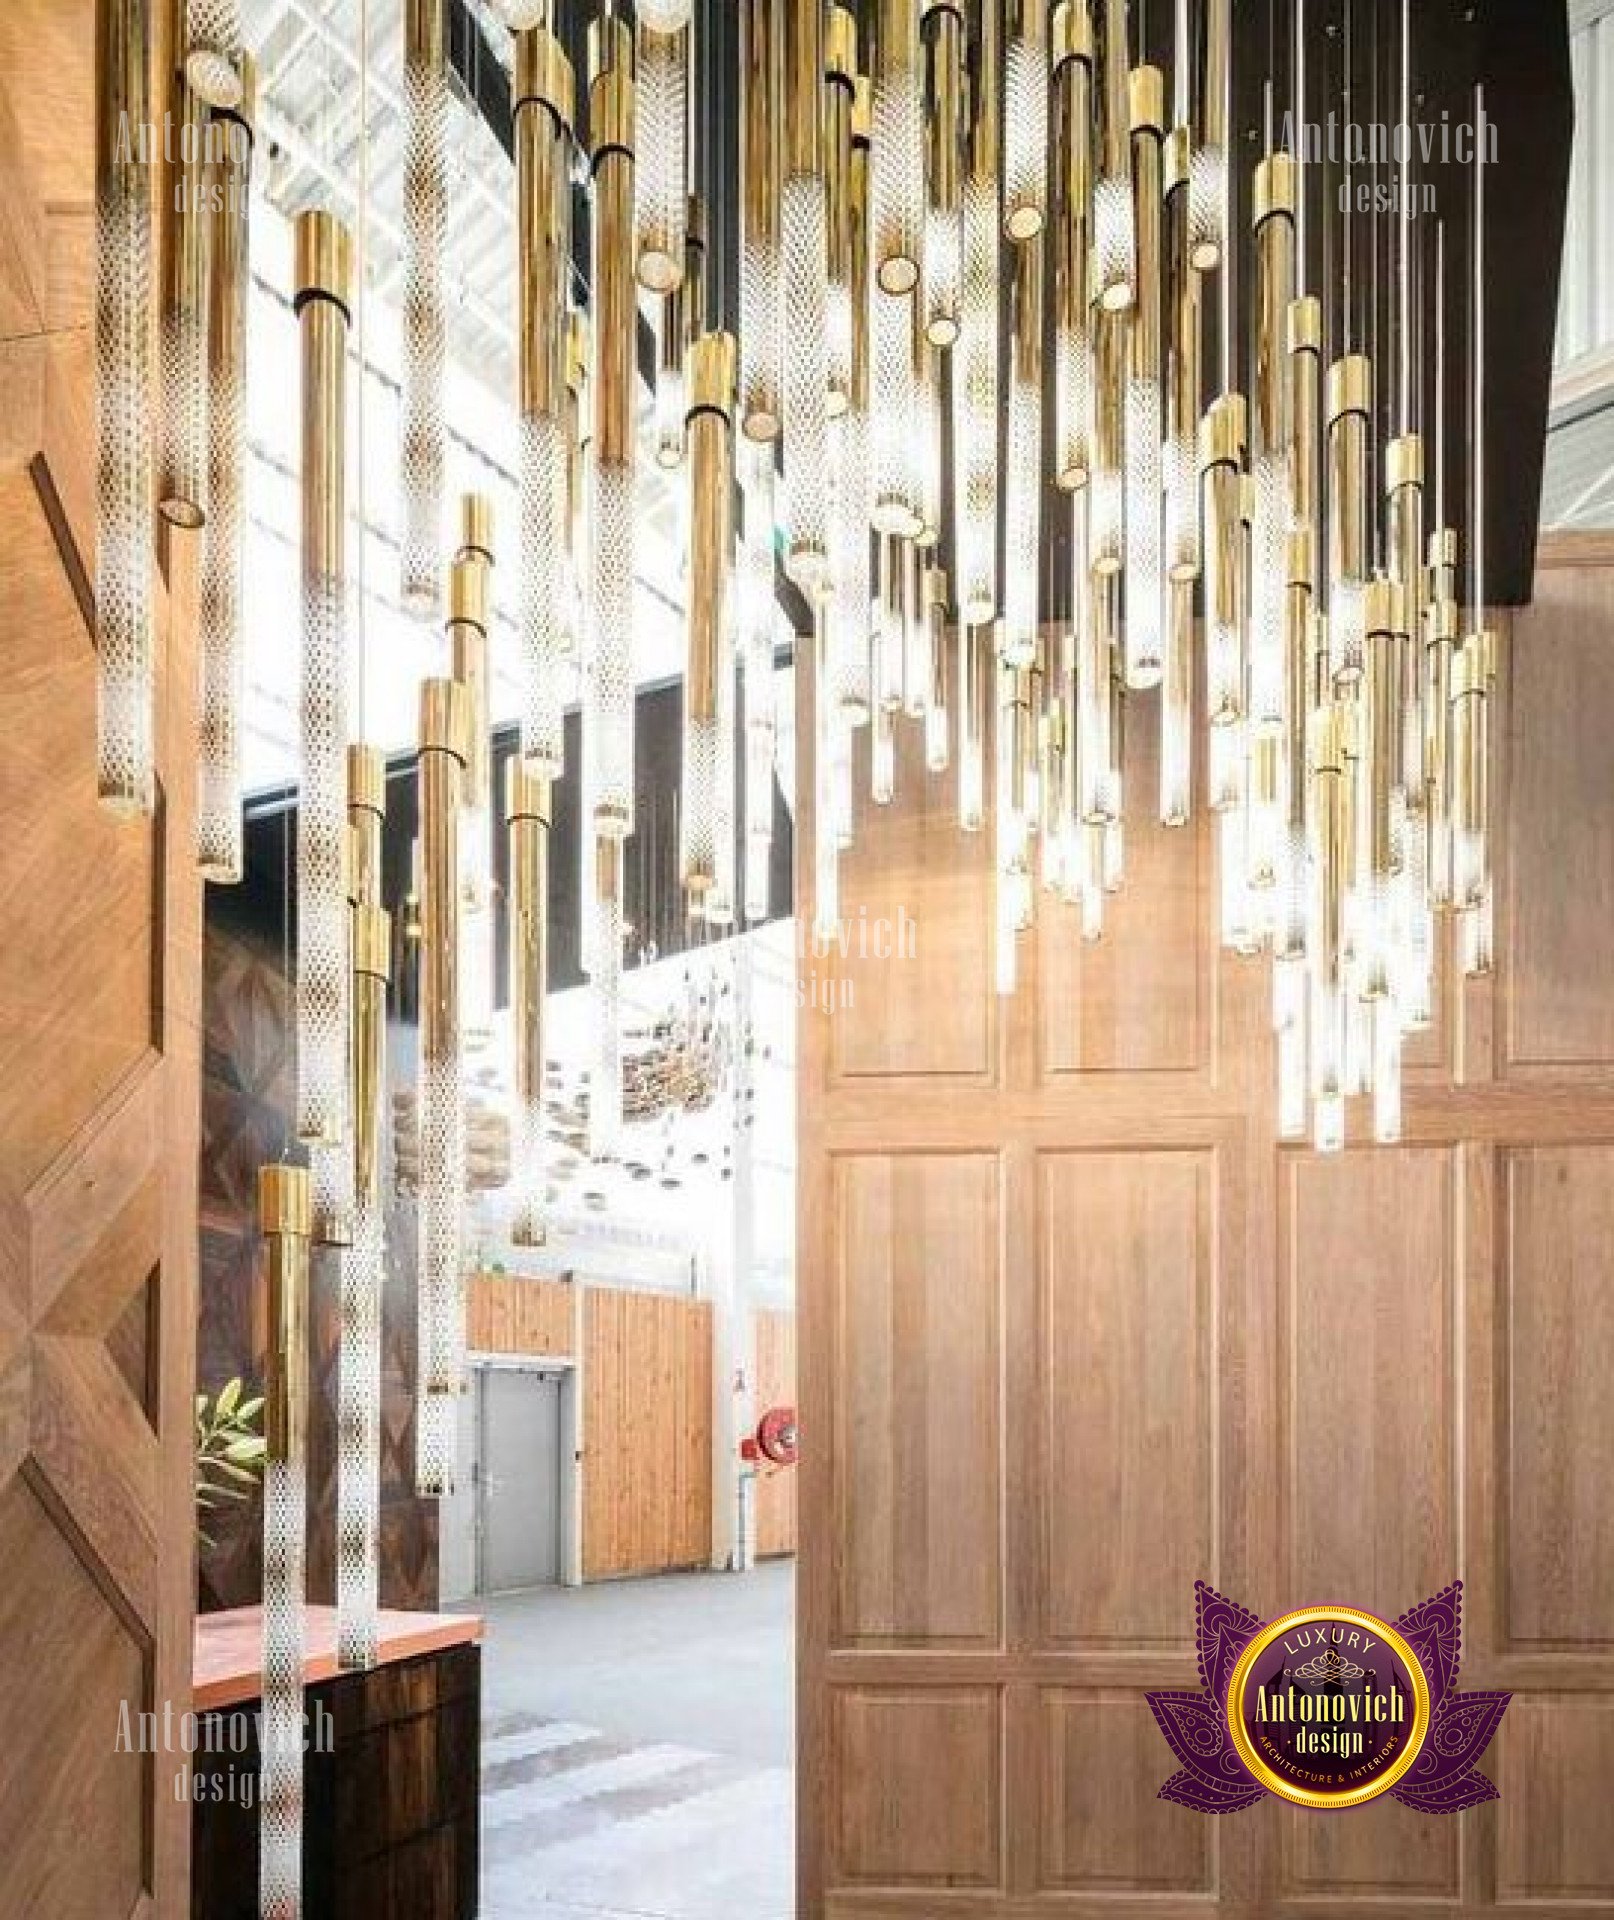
1075 1332
99 969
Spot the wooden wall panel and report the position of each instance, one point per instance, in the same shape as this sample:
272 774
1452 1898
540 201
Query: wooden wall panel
1135 1001
775 1374
912 878
930 1824
1078 1331
100 990
1559 839
1129 1447
515 1313
917 1429
1371 1392
1552 1765
1103 1827
647 1445
1558 1447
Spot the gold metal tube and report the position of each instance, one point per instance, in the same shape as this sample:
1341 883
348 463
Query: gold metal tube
1328 775
858 241
944 136
1305 339
372 969
711 491
761 123
1025 128
444 724
1274 220
286 1221
1146 98
1350 412
544 105
616 307
804 80
182 481
324 272
528 809
1379 744
468 646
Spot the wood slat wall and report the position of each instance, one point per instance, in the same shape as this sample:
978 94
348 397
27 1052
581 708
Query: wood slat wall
100 971
647 1423
775 1364
1076 1331
510 1313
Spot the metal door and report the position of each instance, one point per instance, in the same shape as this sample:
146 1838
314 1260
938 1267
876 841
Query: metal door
520 1479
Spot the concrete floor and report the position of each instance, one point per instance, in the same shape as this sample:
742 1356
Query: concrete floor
639 1747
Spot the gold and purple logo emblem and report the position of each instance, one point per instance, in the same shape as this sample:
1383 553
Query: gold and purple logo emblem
1328 1707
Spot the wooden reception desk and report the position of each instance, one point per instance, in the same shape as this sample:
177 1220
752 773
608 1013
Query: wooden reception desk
393 1775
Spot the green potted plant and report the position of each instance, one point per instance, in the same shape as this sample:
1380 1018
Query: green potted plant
230 1449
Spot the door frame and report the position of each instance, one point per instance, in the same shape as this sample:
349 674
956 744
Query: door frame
567 1371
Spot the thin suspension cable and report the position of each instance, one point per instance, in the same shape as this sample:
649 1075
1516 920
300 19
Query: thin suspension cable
1476 537
1407 308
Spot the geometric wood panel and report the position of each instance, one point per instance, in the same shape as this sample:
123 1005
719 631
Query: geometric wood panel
1126 1412
929 1825
99 1073
1371 1387
918 1431
1557 1284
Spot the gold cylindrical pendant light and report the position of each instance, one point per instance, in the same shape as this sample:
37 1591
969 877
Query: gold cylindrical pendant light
218 805
187 243
661 183
1025 119
1184 380
804 240
897 175
976 371
324 274
611 132
528 807
840 113
125 501
443 736
543 107
1208 176
762 53
1114 230
285 1219
1221 468
1350 414
709 634
363 1267
1072 241
945 39
1022 494
425 329
1145 575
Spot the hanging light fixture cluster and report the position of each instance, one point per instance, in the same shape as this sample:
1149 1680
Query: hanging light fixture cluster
1028 242
194 386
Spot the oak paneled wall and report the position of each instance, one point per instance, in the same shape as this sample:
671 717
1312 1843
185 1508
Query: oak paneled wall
774 1366
1075 1332
100 970
647 1433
